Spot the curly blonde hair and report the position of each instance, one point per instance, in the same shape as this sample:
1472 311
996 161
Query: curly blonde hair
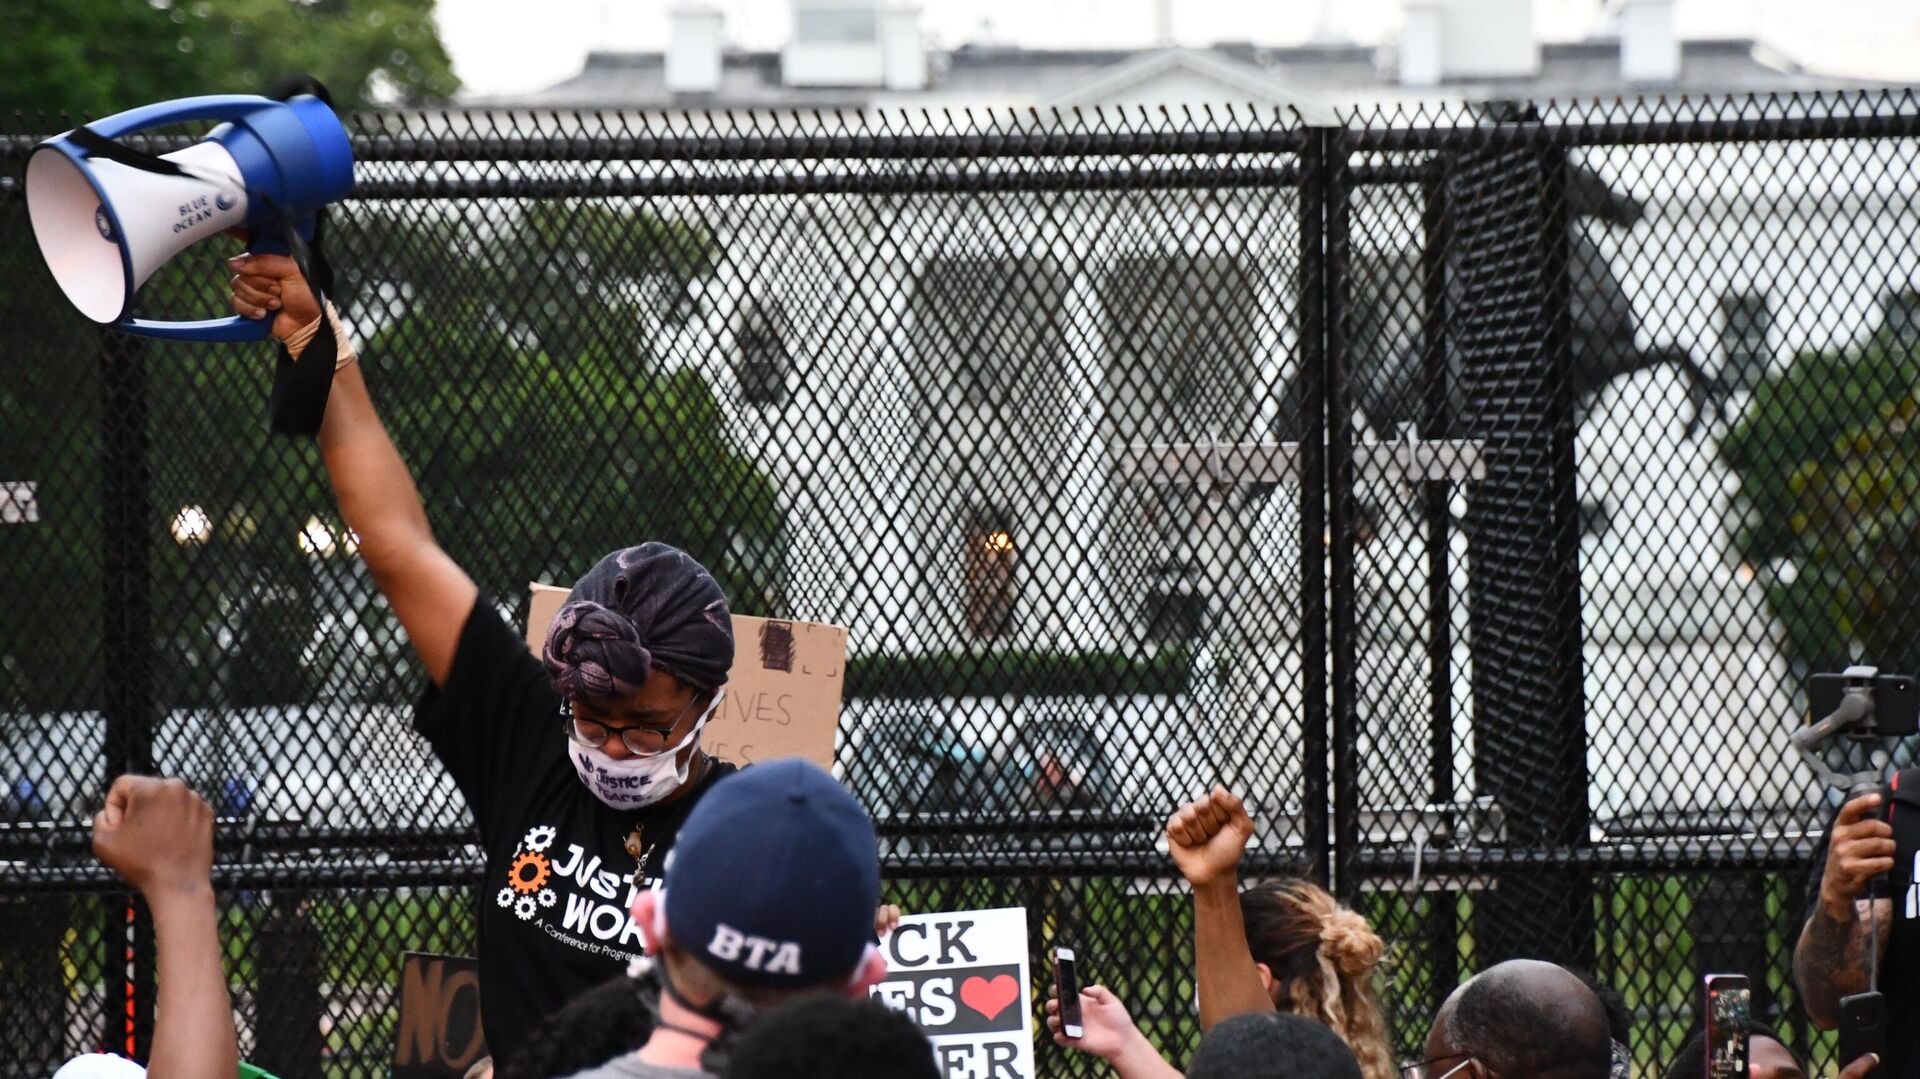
1322 956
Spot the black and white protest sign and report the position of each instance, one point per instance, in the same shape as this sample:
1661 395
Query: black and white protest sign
963 978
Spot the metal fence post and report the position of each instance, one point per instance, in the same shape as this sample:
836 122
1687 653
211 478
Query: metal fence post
1313 587
127 703
1337 541
289 960
1509 315
1442 915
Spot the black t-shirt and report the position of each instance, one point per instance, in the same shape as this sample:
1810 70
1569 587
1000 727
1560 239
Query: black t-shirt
1899 973
559 881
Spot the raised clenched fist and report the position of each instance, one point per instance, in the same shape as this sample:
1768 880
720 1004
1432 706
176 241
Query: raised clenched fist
1207 838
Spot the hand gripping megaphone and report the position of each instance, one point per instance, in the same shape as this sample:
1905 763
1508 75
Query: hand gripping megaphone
107 216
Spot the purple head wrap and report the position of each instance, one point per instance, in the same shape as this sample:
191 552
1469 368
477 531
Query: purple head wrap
639 609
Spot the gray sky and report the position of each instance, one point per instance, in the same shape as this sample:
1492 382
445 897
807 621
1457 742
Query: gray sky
497 49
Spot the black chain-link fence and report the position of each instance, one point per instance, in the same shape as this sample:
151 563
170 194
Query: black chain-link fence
1471 490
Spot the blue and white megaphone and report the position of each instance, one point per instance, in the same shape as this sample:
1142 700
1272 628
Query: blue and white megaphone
107 216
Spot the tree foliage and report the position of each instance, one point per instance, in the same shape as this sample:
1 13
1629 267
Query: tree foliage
89 58
1828 455
519 375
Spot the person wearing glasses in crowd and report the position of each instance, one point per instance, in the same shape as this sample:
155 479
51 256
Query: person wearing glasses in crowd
580 765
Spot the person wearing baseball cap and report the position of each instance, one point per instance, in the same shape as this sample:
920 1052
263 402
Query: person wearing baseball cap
769 894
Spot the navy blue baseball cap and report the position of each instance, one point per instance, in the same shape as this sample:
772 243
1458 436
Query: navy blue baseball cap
774 878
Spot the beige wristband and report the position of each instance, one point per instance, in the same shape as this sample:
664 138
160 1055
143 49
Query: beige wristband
298 340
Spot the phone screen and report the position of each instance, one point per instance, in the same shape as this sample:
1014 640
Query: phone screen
1066 983
1729 1006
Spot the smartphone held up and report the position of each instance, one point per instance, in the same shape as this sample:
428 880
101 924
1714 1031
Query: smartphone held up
1729 1007
1066 986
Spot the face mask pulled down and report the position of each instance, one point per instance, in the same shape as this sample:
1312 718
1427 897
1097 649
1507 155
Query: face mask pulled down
638 782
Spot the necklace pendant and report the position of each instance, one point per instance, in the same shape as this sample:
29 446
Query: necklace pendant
634 847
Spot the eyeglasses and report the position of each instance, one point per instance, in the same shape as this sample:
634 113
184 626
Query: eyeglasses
641 741
1420 1069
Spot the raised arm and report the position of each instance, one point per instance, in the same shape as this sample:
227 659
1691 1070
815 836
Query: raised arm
158 835
1829 962
429 592
1207 839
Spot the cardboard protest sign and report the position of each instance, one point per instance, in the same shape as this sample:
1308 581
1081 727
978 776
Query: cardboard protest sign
439 1035
783 693
963 979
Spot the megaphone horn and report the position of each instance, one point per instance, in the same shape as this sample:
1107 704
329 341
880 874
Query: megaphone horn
107 216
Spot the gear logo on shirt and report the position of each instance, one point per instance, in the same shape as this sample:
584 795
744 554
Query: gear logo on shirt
570 895
529 872
527 878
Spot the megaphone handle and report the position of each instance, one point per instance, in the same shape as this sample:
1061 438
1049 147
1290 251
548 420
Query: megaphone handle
233 328
180 111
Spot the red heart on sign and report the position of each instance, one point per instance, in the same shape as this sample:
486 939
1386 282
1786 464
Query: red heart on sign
989 998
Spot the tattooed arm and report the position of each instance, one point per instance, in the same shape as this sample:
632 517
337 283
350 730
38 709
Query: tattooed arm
1830 960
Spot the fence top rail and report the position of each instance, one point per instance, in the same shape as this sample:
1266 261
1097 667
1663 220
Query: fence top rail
523 135
1667 132
455 138
1377 866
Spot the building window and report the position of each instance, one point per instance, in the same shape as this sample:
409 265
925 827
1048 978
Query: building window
1900 316
992 593
1746 322
987 332
1173 615
836 25
763 363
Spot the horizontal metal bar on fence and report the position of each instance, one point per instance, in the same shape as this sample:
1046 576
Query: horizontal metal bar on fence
926 183
885 146
1375 864
1065 821
236 832
1679 856
1573 132
1649 132
308 874
398 189
768 148
798 147
21 840
804 147
486 149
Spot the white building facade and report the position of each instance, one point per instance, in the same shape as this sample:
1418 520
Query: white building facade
982 362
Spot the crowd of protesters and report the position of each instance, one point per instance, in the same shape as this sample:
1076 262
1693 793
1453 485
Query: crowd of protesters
749 901
760 946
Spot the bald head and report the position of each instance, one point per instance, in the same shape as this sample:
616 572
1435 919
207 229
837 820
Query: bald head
1523 1019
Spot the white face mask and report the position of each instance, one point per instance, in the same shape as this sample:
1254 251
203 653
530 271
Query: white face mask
638 782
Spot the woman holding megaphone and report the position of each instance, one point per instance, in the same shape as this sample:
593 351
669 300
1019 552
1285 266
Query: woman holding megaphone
580 765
